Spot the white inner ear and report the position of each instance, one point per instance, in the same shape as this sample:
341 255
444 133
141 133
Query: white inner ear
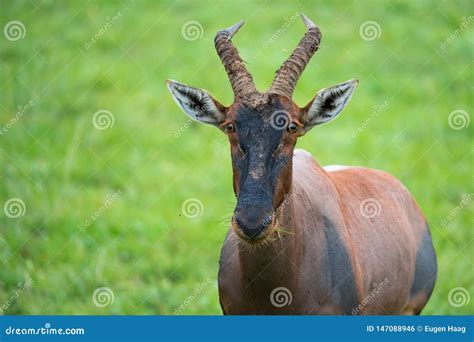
197 103
330 102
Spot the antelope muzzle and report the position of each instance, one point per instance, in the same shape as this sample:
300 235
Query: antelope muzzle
253 216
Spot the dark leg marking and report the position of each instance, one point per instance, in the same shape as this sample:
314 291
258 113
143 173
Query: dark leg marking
426 268
344 287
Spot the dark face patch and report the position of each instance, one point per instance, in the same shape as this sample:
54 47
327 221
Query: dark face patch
261 159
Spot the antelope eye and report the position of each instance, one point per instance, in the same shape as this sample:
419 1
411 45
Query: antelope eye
292 127
229 128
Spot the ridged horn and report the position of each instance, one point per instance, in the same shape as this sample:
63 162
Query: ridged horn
240 79
291 70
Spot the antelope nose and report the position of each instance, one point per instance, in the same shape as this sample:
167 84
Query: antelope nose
251 222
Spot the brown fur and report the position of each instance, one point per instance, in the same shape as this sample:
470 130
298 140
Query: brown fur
382 247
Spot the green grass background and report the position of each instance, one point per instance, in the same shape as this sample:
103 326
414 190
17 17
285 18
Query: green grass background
142 247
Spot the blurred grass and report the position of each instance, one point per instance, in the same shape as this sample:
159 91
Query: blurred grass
142 247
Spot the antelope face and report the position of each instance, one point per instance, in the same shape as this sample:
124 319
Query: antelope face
262 127
262 139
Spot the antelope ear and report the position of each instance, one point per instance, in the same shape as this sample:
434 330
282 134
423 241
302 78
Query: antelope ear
197 103
327 104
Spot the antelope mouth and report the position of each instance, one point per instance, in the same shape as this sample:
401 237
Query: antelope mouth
259 238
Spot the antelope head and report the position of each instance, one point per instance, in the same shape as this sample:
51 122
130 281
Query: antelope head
262 127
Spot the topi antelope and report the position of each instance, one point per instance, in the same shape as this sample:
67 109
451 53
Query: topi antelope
306 239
